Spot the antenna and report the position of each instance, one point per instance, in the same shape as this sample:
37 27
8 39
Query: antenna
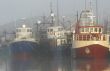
90 5
52 14
51 10
77 16
44 19
57 12
97 20
85 4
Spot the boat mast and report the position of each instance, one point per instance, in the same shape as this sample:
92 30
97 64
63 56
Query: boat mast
52 14
85 4
77 24
97 20
90 5
57 12
77 17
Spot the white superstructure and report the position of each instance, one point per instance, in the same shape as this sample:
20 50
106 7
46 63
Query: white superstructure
24 33
56 33
88 32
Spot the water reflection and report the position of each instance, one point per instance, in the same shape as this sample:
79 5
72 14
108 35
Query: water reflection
4 59
60 60
91 65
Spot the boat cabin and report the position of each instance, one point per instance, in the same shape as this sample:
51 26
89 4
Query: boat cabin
56 35
87 29
55 32
23 32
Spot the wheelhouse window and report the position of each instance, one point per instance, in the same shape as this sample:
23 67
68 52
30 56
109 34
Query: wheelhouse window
82 29
23 30
91 29
28 30
18 30
51 30
95 29
87 29
100 30
60 29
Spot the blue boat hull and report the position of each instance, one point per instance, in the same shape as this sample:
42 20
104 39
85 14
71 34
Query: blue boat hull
23 48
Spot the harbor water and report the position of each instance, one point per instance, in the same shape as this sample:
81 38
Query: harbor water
46 59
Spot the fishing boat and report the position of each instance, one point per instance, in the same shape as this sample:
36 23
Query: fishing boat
24 43
89 38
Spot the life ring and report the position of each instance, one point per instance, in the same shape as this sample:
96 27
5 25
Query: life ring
87 50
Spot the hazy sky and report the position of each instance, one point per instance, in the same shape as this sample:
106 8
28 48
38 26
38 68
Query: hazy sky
11 10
